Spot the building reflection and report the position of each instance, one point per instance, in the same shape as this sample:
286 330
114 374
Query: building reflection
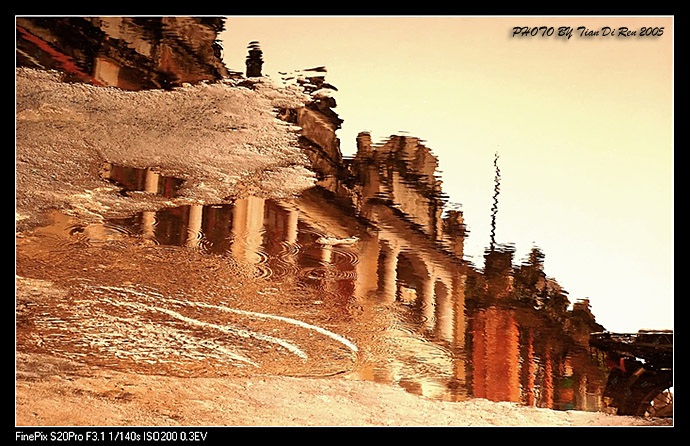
504 333
131 53
525 345
373 234
144 180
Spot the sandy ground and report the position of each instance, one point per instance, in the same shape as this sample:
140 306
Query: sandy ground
96 323
56 392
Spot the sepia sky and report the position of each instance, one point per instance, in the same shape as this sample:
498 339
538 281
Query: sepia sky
583 127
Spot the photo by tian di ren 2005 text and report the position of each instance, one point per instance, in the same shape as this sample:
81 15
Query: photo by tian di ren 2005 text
567 32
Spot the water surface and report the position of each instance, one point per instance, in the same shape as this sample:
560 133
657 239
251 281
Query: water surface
376 290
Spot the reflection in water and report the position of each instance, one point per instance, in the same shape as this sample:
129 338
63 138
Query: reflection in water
453 332
132 179
402 172
504 334
525 345
129 53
